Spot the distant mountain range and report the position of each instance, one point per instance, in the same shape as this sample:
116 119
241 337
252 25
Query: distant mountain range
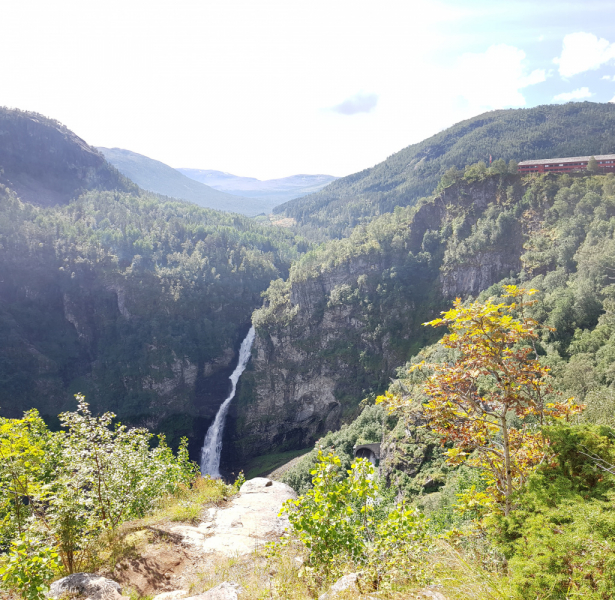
155 176
213 189
281 190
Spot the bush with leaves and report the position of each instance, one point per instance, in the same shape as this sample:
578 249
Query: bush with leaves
346 521
27 568
68 488
491 399
561 536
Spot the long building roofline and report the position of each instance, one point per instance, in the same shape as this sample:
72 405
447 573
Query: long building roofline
550 161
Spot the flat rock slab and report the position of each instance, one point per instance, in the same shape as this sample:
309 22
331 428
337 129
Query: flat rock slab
250 520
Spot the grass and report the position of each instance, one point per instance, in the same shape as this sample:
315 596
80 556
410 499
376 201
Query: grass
186 506
282 576
262 576
263 465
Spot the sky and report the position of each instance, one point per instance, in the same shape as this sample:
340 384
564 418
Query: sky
272 88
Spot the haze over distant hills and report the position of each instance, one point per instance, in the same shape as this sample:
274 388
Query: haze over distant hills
281 190
157 177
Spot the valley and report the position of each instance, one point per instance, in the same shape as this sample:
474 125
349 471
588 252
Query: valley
276 350
140 301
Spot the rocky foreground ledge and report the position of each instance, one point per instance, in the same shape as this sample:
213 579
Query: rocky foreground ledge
250 521
246 523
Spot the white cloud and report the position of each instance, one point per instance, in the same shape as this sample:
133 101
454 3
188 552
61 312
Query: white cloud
612 100
583 52
609 77
359 103
574 95
495 78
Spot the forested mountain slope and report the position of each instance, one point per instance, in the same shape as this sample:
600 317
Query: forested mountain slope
47 164
157 177
573 129
352 310
138 303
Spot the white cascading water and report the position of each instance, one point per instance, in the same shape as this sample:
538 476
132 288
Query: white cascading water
212 446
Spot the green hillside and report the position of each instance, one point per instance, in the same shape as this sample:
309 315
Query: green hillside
155 176
47 164
138 303
351 312
574 129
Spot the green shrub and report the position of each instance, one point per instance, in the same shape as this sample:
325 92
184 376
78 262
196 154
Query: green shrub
567 552
27 568
68 488
347 522
560 538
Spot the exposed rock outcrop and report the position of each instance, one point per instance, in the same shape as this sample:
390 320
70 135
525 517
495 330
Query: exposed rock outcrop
338 331
250 520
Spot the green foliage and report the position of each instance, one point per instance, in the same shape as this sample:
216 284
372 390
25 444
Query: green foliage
560 537
346 519
119 296
366 428
336 516
592 165
27 568
241 479
574 129
70 487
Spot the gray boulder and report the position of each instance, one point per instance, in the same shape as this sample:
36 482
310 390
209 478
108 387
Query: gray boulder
87 585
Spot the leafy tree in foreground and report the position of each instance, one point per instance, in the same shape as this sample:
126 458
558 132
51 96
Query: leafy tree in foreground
60 491
492 399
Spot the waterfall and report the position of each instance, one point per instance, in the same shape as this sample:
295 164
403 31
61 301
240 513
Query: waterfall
212 445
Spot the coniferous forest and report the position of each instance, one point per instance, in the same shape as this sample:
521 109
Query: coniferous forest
452 312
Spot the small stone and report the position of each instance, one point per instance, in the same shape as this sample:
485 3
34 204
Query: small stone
348 582
223 591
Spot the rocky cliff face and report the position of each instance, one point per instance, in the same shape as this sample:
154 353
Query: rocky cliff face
336 332
83 334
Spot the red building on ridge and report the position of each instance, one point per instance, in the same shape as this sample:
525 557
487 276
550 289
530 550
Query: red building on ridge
606 163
